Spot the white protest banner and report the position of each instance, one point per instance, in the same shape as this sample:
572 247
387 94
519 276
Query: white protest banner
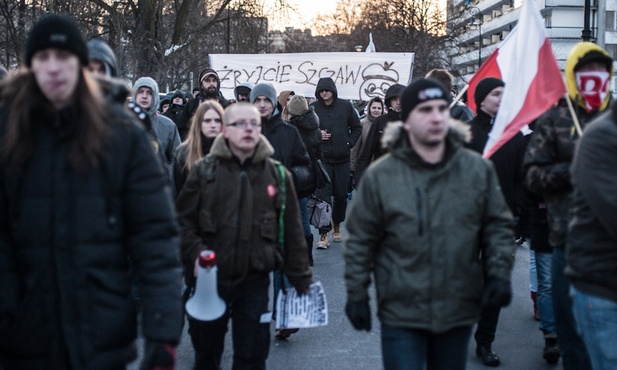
358 76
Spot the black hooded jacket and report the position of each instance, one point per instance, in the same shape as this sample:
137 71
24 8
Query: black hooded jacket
340 119
288 148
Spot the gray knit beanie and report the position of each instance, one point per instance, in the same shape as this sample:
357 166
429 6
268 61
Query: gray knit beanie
264 89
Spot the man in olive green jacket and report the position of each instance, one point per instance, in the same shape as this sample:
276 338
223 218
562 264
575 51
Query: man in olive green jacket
429 222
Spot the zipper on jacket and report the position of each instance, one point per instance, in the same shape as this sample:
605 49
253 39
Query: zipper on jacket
240 204
419 210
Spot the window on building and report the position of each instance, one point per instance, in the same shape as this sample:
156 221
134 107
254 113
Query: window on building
548 20
610 21
611 49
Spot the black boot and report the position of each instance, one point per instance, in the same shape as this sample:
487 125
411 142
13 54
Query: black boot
309 244
551 351
487 356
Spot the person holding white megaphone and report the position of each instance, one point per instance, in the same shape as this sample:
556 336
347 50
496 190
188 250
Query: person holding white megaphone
240 205
205 304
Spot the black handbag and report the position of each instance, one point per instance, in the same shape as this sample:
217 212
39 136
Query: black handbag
321 175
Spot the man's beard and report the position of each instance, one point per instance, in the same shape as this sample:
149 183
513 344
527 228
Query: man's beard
211 92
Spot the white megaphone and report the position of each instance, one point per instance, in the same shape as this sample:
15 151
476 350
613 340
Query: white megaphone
205 304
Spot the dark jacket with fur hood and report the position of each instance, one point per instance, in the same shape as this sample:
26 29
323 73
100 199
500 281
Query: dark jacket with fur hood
420 228
244 239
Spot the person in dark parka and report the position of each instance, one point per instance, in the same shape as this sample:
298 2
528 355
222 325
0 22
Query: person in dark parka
508 162
83 199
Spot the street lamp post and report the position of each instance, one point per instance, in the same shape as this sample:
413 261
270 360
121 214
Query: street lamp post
479 15
586 34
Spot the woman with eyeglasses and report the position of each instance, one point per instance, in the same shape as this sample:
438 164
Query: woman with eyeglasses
205 126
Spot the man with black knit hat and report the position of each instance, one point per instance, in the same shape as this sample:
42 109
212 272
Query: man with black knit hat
422 216
340 129
508 162
372 148
85 209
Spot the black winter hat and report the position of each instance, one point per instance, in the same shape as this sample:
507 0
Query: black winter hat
420 91
484 87
59 32
179 94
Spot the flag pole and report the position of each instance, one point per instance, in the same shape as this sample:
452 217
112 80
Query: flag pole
459 96
577 125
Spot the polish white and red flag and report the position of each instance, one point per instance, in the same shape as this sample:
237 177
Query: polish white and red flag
533 81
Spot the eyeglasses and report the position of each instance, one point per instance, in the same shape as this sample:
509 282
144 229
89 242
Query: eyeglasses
244 124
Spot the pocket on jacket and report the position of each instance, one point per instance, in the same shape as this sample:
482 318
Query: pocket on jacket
268 227
28 334
263 254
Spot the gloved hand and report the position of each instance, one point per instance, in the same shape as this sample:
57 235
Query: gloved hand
303 289
159 356
5 319
359 314
497 293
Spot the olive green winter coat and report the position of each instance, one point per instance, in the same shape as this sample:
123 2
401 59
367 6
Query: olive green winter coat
424 231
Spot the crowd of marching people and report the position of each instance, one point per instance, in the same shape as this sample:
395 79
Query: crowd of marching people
108 195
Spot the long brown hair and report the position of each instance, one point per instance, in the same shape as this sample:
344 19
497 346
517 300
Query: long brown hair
25 102
193 141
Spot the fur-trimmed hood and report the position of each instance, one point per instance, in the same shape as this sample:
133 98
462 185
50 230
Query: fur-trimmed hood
221 149
458 134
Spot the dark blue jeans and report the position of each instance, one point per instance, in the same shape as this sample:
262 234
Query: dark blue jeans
409 349
247 304
573 350
304 215
544 297
596 320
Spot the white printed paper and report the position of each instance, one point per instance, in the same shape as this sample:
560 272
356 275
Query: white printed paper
306 311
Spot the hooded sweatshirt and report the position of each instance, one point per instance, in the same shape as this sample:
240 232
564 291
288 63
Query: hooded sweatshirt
164 128
340 119
551 149
100 51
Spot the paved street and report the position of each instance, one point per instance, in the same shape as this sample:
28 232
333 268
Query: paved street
338 346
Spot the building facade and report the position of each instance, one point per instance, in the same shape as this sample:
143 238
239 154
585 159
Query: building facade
483 24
